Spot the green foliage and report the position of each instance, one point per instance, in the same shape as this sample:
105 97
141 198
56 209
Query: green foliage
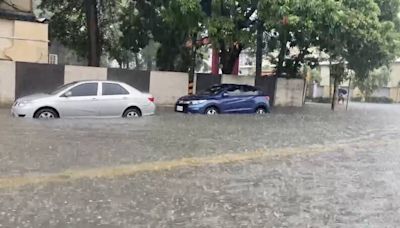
364 34
359 32
68 23
324 100
316 75
231 28
381 100
356 99
375 79
169 23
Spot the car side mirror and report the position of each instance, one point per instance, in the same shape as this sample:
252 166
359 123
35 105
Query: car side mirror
67 94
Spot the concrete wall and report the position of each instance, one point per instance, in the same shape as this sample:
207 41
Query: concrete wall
289 92
395 94
167 87
382 92
318 91
23 41
325 75
395 75
20 79
234 79
76 73
6 31
7 82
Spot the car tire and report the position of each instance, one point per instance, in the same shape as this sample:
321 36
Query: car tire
261 111
45 114
132 113
211 111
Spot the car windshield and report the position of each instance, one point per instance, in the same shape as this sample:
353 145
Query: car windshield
212 90
61 88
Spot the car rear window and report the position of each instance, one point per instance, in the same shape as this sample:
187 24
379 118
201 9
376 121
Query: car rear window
113 89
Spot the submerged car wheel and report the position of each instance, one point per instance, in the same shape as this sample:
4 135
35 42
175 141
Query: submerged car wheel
211 111
46 113
261 111
132 113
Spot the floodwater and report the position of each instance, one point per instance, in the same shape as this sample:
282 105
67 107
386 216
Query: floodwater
304 167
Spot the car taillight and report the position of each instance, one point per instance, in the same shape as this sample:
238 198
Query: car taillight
267 98
151 99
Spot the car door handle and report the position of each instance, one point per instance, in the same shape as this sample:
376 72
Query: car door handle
125 98
94 99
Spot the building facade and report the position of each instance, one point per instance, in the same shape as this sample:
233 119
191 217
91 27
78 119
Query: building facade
22 37
391 90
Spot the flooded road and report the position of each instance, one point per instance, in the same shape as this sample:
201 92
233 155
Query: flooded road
294 168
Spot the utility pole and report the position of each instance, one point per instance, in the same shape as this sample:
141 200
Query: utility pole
93 33
348 94
193 58
259 49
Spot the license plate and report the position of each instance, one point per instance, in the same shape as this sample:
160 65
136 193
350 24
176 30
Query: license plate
179 108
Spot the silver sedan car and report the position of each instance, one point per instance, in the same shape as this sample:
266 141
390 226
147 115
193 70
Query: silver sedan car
86 99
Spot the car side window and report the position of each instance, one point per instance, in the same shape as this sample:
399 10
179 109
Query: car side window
249 91
87 89
113 89
233 91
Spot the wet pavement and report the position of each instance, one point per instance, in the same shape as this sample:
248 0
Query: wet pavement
335 170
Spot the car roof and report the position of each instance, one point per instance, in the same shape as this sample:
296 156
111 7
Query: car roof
231 84
80 81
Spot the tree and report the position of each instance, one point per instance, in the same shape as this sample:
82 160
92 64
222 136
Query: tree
70 20
169 23
376 79
231 28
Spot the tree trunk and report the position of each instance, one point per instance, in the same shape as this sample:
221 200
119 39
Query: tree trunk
333 104
228 57
282 52
93 33
259 50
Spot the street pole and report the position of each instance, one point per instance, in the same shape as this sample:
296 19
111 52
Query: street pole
93 33
259 49
348 95
192 63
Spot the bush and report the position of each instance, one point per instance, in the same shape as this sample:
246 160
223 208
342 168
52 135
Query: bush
382 100
325 100
356 99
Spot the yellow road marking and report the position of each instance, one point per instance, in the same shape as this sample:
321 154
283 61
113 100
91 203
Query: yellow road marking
127 170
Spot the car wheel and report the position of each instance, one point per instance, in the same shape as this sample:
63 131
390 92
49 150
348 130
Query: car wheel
211 111
132 113
261 111
45 114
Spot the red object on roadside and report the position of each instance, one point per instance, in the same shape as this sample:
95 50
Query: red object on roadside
151 99
235 70
215 62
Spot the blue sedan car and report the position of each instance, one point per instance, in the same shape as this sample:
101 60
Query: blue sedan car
225 98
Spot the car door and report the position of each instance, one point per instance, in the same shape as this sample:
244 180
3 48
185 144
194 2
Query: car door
231 99
80 101
114 99
247 101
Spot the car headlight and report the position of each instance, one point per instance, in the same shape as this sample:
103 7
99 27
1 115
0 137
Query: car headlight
23 103
196 102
